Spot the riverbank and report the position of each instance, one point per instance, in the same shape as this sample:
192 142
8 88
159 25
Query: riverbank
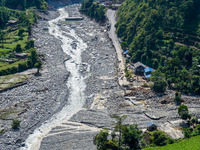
42 96
105 97
45 95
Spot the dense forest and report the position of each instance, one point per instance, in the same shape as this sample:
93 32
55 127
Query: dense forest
93 10
22 4
9 9
165 35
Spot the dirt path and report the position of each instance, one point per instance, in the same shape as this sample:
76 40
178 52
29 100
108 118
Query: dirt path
112 34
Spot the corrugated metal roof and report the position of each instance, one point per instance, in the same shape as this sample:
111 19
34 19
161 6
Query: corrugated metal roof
148 69
147 76
150 123
139 64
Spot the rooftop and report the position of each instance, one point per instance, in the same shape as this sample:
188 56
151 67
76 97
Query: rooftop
148 69
150 123
139 64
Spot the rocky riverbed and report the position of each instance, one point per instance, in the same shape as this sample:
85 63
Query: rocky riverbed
43 96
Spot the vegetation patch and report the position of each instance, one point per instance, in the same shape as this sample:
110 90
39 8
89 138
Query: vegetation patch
9 81
165 35
188 144
93 10
8 115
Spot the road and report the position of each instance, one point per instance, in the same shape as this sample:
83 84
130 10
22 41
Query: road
112 34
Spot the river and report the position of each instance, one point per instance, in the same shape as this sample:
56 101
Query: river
75 82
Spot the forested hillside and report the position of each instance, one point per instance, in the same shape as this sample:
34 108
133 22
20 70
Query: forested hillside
164 34
7 13
22 4
17 51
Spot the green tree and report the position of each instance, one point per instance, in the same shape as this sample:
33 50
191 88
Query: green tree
119 127
177 98
198 128
187 133
183 112
159 86
15 124
101 139
38 65
159 138
30 44
33 58
29 29
18 48
22 66
124 45
193 120
132 136
2 35
20 32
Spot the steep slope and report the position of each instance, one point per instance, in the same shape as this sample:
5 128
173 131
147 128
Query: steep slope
164 34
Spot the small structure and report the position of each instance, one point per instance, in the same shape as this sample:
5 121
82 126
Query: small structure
151 126
128 56
125 53
74 18
198 118
46 29
139 67
21 55
115 6
107 3
10 61
12 23
147 72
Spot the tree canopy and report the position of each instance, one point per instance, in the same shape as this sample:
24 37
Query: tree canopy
164 34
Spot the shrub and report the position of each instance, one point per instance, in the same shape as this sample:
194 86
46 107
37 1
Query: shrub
198 128
177 98
111 145
159 138
20 32
29 44
33 58
101 139
187 133
18 48
159 86
22 66
15 124
38 65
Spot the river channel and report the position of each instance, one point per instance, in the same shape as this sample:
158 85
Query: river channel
75 82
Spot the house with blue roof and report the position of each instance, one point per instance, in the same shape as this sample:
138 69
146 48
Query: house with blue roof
147 72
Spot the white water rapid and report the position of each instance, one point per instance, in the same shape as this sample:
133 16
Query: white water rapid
75 82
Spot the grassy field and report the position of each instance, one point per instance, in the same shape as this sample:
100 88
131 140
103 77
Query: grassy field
8 81
189 144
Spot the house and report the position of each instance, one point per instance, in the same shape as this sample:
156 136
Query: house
11 23
21 55
139 67
147 72
198 118
128 56
125 53
107 3
151 126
